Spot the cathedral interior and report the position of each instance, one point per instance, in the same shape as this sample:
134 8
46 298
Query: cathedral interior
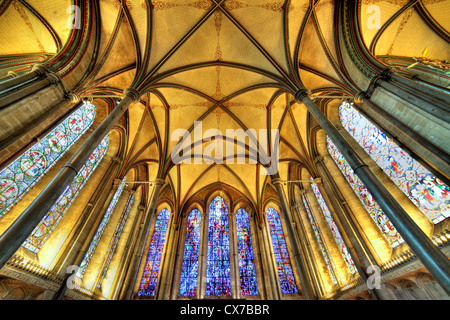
224 149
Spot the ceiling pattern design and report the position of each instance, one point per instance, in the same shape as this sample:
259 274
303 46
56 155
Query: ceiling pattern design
231 64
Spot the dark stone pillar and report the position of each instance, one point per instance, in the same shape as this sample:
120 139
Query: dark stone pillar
308 291
136 261
17 233
432 258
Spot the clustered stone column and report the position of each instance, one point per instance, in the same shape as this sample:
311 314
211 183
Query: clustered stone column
16 234
431 256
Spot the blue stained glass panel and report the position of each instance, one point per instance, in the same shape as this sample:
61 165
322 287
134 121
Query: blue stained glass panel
283 262
147 287
247 271
189 269
218 279
427 192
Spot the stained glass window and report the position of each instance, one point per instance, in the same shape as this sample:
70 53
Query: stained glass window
322 245
100 230
189 269
247 271
428 193
283 262
147 287
334 229
115 240
23 173
365 197
218 279
43 230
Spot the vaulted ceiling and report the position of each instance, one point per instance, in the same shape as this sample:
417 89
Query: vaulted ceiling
230 64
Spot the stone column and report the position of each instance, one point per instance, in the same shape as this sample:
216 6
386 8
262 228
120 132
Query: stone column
359 252
298 256
80 257
24 106
298 225
23 137
346 217
167 268
88 216
415 87
427 153
17 233
137 259
128 253
120 210
274 291
24 85
428 103
432 258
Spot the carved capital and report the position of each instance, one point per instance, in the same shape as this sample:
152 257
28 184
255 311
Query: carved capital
12 74
159 182
72 97
360 97
302 94
53 77
319 159
132 93
276 181
40 70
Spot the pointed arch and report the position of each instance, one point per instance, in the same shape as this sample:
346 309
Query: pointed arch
218 273
189 268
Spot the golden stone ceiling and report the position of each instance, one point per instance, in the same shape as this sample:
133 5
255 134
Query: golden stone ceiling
226 63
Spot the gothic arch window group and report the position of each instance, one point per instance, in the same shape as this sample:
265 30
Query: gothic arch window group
218 262
220 243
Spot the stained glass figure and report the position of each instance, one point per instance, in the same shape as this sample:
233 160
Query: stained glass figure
283 262
100 230
115 240
323 247
44 229
333 227
189 269
372 207
427 192
218 278
247 271
22 174
147 287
